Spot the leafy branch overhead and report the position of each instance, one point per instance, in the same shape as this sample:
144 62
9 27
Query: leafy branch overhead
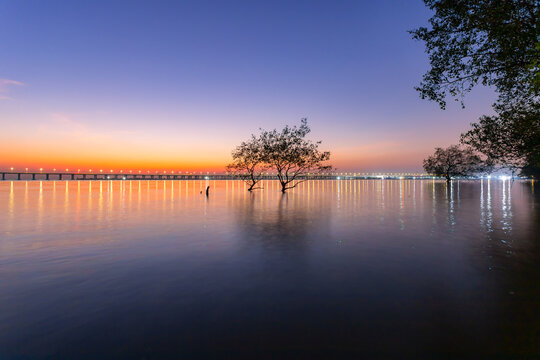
470 42
492 43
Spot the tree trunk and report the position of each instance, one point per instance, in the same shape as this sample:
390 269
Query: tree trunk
447 178
283 187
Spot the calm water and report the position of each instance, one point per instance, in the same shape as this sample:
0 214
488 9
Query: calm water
156 269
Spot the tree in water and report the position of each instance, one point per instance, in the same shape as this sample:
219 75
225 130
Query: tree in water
292 156
454 161
248 162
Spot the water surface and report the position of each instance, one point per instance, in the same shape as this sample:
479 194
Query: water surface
154 269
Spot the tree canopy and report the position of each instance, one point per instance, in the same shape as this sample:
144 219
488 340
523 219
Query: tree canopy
489 42
287 152
454 161
509 139
248 162
493 43
293 156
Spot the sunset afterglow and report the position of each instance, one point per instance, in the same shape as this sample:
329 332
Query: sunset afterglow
133 100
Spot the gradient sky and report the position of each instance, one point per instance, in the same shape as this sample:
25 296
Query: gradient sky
170 85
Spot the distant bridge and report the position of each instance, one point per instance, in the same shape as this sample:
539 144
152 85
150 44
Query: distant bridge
41 175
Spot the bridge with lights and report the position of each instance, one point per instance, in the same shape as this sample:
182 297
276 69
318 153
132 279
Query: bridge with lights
164 175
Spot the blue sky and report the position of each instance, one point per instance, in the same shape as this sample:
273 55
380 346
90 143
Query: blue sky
190 80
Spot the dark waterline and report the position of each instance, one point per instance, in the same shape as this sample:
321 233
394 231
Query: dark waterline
155 269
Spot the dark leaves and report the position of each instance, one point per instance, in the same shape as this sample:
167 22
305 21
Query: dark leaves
287 152
454 161
491 42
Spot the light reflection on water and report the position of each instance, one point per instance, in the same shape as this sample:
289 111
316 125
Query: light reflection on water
139 268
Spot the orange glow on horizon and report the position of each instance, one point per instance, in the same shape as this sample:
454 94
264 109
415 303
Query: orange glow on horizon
88 154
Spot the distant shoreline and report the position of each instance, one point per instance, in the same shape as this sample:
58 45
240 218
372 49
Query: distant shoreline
55 176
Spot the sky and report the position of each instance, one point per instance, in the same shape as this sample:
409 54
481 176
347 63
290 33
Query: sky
176 85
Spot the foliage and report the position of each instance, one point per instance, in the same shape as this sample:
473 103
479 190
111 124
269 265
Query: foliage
491 42
494 43
454 161
286 151
509 139
291 155
248 162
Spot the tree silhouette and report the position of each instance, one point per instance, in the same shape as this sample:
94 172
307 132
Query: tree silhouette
510 139
287 152
493 43
292 156
248 162
454 161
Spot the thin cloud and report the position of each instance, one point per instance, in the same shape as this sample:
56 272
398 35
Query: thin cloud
4 86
